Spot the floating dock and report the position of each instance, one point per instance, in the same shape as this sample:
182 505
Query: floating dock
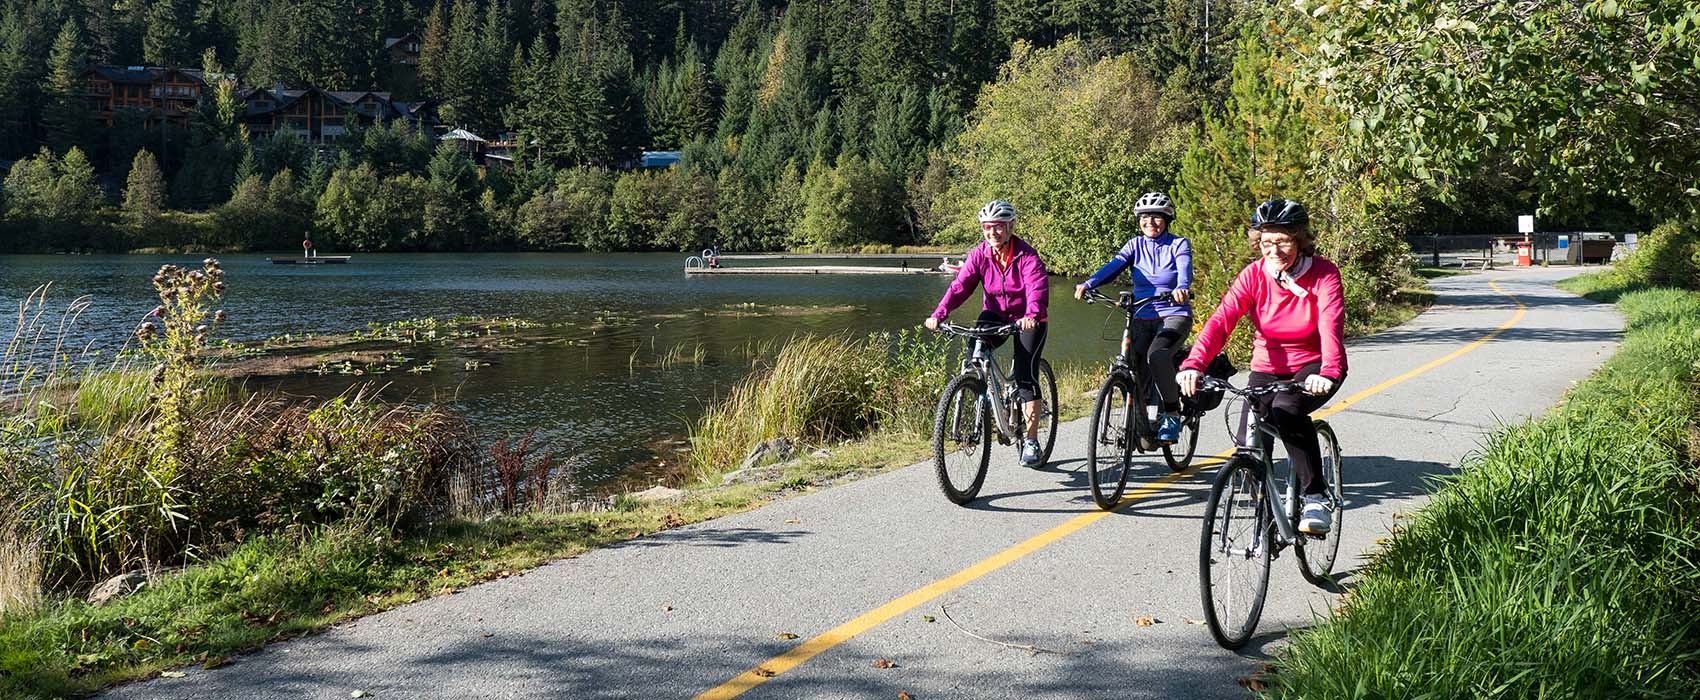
814 270
698 265
315 260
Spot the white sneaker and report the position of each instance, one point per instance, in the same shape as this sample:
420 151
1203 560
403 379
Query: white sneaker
1031 453
1316 516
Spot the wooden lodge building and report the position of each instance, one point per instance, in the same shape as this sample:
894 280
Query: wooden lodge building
162 95
169 96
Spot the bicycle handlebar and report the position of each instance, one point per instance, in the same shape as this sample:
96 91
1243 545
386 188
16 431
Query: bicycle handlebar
1209 382
1093 296
978 332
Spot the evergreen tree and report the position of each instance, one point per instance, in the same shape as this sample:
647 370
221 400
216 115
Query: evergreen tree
166 41
66 114
433 51
144 189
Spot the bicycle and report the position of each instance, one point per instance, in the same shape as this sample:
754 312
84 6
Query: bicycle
1240 527
1118 428
981 403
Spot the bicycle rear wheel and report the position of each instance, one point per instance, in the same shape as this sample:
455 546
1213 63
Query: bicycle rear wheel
1317 554
1233 553
1047 410
962 438
1179 455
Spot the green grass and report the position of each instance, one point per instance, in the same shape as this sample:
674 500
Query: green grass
1560 562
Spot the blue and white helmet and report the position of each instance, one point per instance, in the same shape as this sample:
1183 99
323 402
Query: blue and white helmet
1155 203
997 210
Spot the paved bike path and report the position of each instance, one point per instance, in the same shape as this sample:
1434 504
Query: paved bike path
681 613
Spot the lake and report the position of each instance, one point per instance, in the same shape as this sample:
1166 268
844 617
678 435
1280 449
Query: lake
600 380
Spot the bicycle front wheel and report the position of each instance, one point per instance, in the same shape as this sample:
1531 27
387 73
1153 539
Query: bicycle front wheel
1233 553
1317 554
1109 446
962 438
1179 455
1047 410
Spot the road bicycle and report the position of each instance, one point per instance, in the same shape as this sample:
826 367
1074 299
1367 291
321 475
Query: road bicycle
1241 532
1121 424
981 404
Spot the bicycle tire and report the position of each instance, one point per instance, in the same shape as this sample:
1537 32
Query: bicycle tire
1047 410
1109 445
962 438
1179 455
1317 555
1234 553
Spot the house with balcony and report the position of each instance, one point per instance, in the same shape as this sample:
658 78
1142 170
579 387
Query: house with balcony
161 95
403 50
324 116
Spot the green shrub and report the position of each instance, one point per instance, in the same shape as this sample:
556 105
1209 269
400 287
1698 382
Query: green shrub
1667 255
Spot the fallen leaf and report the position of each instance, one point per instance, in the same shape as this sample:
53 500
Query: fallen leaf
764 673
884 663
1146 621
488 635
904 695
1252 684
172 674
787 635
215 662
793 521
666 608
1191 621
926 618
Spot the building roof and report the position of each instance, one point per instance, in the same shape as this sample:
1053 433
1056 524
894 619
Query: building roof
659 159
462 135
142 74
391 41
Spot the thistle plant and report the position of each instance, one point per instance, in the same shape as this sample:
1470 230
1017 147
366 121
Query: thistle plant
175 335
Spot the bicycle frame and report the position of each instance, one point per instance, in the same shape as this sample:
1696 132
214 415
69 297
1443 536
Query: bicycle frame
980 362
1259 445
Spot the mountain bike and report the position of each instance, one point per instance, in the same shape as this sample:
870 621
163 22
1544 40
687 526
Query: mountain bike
1121 424
981 404
1241 531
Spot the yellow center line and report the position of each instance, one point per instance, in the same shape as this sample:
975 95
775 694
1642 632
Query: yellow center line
873 618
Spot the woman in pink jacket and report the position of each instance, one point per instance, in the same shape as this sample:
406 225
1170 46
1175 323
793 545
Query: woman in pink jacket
1296 306
1018 292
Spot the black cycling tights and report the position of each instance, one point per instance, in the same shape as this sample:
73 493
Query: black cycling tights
1157 339
1290 413
1029 345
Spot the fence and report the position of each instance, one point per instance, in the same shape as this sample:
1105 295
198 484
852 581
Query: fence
1549 247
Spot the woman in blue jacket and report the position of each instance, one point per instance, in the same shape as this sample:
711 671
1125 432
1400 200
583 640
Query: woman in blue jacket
1160 263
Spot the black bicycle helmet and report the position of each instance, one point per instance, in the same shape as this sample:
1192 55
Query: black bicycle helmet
1280 212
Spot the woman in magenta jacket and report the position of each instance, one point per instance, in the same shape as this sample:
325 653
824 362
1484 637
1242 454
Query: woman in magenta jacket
1017 291
1296 306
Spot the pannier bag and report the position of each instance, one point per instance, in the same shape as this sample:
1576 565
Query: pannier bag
1208 399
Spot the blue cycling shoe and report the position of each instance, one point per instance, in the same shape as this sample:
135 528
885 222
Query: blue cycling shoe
1168 428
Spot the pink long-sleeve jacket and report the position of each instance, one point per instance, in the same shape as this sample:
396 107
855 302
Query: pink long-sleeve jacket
1018 291
1292 330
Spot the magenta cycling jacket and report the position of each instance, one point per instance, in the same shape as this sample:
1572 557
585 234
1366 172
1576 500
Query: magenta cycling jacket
1016 292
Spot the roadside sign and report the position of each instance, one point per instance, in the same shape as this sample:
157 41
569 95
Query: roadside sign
1526 223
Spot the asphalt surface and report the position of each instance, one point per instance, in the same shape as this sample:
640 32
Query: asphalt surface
682 613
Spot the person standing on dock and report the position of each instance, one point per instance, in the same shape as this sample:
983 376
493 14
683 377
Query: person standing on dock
1016 291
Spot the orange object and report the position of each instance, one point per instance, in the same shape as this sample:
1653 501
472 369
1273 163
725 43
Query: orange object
1524 249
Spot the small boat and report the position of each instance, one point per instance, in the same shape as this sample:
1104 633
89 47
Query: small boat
315 260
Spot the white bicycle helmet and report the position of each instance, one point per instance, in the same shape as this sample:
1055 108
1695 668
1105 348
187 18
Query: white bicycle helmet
997 210
1155 203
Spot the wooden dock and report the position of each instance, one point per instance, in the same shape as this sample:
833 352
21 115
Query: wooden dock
695 265
315 260
814 270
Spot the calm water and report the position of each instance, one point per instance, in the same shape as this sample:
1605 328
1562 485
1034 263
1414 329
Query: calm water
591 382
